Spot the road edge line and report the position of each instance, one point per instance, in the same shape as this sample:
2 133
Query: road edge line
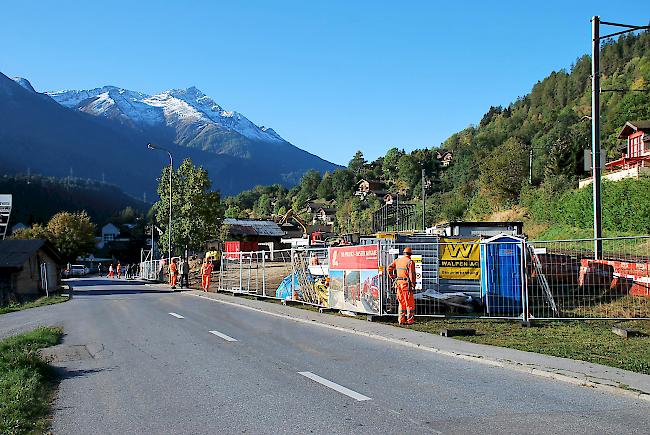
519 367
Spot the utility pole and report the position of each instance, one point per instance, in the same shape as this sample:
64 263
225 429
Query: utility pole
595 119
530 167
424 203
595 135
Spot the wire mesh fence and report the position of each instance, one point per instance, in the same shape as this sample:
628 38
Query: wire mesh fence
152 270
616 286
448 278
503 277
258 273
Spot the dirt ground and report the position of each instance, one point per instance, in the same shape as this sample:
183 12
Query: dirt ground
259 279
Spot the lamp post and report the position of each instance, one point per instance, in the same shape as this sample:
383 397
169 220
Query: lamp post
171 168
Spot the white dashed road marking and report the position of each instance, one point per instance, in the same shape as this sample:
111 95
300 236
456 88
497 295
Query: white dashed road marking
336 387
178 316
224 336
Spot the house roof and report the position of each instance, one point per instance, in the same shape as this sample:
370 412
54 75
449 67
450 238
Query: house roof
632 127
250 227
373 185
15 252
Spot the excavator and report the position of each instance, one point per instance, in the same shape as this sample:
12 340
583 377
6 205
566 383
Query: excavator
291 215
316 238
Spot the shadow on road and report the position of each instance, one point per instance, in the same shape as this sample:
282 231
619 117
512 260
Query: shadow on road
63 373
101 286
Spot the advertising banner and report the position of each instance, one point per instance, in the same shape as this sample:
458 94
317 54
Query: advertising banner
354 257
459 259
355 278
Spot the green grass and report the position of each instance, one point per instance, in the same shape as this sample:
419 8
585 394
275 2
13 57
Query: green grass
35 303
591 341
565 232
26 382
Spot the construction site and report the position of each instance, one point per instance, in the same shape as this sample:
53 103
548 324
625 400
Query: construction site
463 269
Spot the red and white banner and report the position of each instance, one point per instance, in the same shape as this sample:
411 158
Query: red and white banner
354 257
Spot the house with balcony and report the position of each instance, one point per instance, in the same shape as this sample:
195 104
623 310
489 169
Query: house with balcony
635 154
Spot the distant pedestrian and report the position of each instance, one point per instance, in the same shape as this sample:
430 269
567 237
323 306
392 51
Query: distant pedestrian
173 273
99 269
185 273
111 274
206 273
119 270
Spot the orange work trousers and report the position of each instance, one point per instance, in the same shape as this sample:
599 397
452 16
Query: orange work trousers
205 282
406 301
172 279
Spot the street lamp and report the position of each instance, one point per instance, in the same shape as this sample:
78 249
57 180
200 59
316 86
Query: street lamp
171 168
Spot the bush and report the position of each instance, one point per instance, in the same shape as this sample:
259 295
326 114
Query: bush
624 203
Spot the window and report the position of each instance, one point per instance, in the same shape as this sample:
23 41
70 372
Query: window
634 147
109 237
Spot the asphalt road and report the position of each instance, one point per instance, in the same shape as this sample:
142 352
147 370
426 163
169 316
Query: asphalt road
135 360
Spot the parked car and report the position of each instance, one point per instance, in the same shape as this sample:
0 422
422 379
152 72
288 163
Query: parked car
76 270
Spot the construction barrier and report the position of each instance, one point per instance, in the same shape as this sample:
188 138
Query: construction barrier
152 270
500 277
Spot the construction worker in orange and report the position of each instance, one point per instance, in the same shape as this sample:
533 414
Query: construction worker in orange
119 270
173 273
206 272
402 270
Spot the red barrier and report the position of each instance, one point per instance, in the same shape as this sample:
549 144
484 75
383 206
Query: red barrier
626 277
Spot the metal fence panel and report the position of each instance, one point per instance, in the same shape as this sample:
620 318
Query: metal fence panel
452 288
617 286
514 279
152 270
258 273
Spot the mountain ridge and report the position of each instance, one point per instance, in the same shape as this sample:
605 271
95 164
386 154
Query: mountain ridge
106 130
169 107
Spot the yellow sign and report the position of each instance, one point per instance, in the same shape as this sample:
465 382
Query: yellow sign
459 259
417 259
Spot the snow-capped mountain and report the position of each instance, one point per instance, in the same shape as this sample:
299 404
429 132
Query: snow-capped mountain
106 130
189 109
24 83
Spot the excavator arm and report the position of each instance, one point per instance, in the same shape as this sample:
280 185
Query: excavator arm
291 215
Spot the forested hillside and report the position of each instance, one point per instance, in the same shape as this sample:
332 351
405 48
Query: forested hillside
490 166
36 199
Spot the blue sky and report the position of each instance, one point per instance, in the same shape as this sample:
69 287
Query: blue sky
331 77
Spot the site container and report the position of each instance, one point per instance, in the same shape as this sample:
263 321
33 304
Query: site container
233 247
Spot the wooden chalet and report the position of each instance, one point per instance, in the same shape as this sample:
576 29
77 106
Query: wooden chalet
635 154
636 151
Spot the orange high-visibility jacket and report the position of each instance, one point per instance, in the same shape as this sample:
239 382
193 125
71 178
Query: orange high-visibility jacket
206 268
405 268
172 269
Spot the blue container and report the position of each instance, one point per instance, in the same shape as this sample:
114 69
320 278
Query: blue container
501 279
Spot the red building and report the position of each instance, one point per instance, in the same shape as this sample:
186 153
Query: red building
636 152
